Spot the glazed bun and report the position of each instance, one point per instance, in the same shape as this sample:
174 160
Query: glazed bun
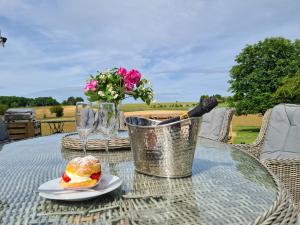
85 166
82 172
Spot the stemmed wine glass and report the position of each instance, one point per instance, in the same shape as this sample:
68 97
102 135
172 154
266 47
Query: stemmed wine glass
85 121
108 121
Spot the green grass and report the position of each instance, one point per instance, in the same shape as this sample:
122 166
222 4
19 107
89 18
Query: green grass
246 134
223 104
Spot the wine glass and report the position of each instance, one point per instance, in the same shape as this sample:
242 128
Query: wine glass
108 121
85 121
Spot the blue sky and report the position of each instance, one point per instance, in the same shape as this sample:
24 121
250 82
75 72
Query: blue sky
185 47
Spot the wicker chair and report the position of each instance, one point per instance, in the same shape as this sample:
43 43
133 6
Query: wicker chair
123 125
286 169
215 124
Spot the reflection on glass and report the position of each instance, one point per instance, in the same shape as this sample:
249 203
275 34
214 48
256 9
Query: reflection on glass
108 121
85 121
252 170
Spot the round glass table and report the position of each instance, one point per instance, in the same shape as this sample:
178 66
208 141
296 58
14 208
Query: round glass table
227 187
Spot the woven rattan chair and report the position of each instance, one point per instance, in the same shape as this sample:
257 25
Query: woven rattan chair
215 124
287 169
123 125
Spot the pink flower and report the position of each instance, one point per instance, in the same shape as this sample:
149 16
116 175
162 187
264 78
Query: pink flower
133 76
90 86
129 86
122 71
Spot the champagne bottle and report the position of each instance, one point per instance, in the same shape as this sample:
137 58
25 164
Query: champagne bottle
204 107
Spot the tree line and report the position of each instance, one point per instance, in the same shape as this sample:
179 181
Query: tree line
14 101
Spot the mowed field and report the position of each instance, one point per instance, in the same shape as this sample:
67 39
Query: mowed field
166 108
244 129
43 114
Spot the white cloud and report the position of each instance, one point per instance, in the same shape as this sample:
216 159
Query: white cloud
54 45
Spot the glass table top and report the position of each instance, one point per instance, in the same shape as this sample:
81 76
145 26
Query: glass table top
227 187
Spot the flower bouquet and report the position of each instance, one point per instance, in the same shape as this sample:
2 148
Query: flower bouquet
109 89
116 84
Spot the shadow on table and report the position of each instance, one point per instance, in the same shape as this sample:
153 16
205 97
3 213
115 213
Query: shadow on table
113 156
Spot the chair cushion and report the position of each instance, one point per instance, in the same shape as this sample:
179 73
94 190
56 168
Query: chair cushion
212 123
282 140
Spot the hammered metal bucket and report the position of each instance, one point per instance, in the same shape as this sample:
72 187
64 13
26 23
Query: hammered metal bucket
166 150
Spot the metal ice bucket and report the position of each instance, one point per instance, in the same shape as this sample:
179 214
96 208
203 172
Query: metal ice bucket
163 151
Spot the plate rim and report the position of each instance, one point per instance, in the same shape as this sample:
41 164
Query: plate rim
92 194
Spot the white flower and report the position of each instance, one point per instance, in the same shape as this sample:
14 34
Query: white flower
114 94
101 93
110 88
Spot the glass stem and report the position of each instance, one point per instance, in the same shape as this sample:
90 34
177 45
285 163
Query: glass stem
106 146
84 144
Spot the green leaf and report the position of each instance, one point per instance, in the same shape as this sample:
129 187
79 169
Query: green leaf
260 71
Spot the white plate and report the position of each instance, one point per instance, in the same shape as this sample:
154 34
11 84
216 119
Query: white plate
107 184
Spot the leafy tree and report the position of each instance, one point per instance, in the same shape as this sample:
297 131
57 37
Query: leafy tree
45 101
58 110
203 97
78 99
290 91
14 101
3 109
260 70
220 98
72 100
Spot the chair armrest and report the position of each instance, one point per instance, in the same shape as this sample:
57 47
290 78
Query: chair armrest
288 172
224 133
249 148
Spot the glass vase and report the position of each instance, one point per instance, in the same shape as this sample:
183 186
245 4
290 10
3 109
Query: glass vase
109 120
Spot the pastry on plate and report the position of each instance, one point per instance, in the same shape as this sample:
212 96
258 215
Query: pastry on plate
82 172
